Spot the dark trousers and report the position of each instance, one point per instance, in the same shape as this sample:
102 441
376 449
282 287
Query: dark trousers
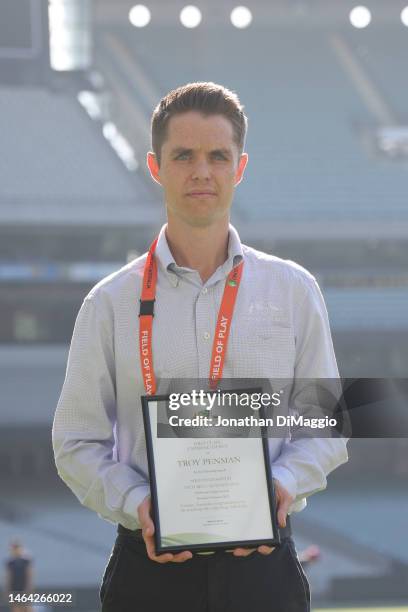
206 583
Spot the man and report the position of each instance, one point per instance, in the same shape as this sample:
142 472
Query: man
279 329
19 576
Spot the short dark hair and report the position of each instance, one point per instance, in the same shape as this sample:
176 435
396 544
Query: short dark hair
205 98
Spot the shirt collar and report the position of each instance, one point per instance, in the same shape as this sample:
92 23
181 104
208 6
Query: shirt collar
163 253
167 262
235 252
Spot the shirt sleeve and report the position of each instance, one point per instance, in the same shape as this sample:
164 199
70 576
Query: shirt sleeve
303 465
83 428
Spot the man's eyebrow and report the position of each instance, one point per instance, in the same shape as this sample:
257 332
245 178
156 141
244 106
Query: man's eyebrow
225 152
178 150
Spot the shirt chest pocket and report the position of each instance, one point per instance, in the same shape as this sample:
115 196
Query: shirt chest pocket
262 349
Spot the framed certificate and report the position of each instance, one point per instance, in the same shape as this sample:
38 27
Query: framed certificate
211 486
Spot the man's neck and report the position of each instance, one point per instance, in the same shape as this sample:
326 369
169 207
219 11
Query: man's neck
200 248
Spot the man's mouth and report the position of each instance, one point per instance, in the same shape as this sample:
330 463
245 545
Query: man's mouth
201 194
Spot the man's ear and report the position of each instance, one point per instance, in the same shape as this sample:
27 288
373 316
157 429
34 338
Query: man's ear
243 160
153 166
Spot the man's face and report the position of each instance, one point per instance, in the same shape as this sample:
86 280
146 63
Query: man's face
200 167
16 550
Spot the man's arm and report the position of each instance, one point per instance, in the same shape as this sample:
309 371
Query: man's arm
82 432
304 464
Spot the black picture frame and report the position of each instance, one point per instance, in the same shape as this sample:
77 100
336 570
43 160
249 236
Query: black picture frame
147 400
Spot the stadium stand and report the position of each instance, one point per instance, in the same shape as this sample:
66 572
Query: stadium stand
381 50
303 111
58 168
316 192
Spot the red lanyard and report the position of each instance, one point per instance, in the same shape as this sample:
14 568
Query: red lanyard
146 314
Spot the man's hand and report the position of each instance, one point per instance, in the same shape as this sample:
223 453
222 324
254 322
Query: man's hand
283 499
245 552
147 527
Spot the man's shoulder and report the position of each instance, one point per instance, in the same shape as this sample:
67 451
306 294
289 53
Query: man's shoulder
285 270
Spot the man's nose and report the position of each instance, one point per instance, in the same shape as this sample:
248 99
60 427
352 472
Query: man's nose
201 170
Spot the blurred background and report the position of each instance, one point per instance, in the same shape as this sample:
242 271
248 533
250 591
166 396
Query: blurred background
325 87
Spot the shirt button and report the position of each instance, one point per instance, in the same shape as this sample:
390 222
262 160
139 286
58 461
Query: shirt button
206 336
204 291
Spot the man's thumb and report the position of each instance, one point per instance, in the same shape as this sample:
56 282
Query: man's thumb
282 513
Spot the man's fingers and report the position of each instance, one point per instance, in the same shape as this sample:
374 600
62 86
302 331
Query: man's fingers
149 547
151 552
283 512
245 552
283 509
242 552
148 529
281 518
183 556
284 501
165 557
265 550
145 519
170 558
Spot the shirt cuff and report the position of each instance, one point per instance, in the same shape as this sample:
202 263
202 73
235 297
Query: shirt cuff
133 499
285 478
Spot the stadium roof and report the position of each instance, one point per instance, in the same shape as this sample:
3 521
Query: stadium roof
278 12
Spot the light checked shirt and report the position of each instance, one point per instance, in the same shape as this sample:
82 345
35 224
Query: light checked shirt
280 329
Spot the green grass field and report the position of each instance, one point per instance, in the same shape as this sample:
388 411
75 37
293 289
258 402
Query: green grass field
387 609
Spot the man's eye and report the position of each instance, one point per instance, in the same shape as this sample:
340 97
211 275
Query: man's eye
219 156
183 156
